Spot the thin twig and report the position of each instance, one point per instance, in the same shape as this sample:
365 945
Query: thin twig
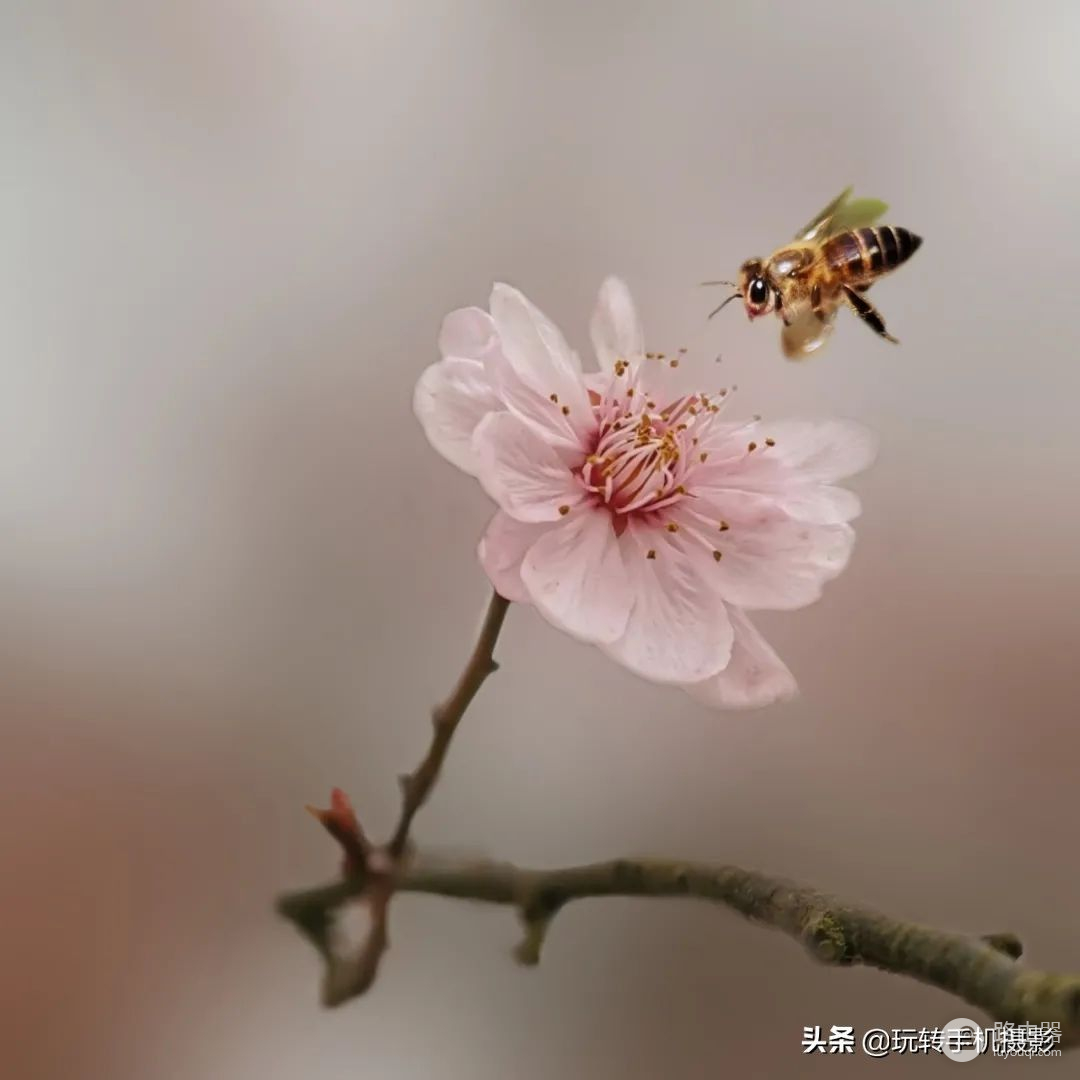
350 973
416 786
980 970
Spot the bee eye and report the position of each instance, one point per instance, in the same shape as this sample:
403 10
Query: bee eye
759 291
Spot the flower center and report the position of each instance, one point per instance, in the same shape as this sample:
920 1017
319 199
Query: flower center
645 454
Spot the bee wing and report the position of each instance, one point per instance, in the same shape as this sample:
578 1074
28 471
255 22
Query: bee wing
814 226
807 333
843 212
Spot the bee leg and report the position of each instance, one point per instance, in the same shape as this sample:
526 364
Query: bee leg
868 313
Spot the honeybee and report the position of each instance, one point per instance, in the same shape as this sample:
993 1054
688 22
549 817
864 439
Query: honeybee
833 261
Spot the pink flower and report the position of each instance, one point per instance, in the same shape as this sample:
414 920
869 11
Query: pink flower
633 516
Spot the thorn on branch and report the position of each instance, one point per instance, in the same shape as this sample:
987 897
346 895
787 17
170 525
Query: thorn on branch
528 949
314 923
347 977
980 971
537 907
825 938
1006 943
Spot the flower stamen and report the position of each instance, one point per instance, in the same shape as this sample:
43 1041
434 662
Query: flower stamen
640 461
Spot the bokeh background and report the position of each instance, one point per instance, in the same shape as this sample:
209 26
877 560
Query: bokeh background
233 574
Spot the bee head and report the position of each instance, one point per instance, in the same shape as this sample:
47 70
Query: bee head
754 286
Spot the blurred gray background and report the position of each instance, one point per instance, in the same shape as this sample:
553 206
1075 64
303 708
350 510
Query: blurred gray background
233 574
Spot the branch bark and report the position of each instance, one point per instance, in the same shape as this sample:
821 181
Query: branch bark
350 973
416 786
982 971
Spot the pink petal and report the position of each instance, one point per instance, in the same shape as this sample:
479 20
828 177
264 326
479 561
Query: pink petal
821 504
450 399
678 630
726 444
617 335
750 509
469 333
544 416
615 330
755 676
522 472
538 374
501 550
824 450
757 476
767 560
598 382
575 575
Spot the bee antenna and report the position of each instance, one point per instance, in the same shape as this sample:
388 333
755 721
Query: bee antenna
733 296
729 284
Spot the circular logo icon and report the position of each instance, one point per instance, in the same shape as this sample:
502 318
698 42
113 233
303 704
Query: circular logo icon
962 1039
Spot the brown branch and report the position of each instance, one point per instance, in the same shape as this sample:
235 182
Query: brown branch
982 971
416 786
350 973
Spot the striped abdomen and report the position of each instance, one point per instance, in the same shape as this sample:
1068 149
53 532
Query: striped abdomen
867 252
